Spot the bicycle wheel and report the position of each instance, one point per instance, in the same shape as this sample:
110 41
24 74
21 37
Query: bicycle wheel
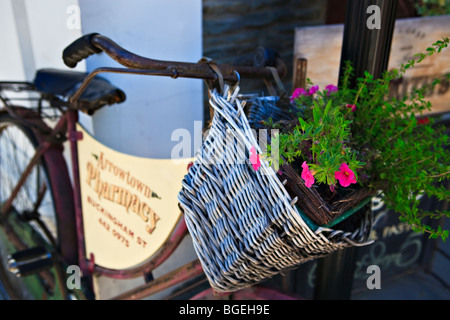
33 218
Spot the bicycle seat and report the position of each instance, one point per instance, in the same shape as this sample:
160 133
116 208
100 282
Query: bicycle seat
99 92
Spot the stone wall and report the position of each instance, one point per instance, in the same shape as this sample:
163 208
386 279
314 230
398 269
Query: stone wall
233 29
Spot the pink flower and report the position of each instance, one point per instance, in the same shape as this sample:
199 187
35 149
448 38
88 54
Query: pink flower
297 93
345 175
353 106
254 159
302 92
331 88
313 90
307 175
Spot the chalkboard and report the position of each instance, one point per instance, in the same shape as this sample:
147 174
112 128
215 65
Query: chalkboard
397 250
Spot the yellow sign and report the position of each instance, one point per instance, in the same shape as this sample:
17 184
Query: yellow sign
129 203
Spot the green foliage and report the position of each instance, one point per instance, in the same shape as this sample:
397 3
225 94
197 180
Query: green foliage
432 7
325 138
384 141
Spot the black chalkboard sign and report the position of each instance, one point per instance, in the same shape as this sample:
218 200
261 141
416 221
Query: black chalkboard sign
397 250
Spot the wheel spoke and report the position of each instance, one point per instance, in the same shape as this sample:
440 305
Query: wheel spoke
32 219
40 196
17 151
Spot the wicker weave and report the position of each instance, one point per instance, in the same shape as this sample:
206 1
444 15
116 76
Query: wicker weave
260 109
244 225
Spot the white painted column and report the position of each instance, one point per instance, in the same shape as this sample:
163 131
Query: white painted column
155 106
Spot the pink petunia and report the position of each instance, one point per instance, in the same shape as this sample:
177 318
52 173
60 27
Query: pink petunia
352 106
302 92
313 90
307 175
297 93
331 88
254 158
345 175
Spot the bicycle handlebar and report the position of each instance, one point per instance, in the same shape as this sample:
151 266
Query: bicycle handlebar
93 43
80 49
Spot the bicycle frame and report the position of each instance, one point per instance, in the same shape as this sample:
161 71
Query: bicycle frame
66 127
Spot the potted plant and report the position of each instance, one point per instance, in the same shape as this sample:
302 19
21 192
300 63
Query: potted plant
337 147
350 143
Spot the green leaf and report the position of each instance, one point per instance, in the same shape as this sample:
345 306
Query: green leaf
318 130
316 115
327 108
302 124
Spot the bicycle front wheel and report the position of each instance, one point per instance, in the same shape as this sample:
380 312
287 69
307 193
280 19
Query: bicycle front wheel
32 220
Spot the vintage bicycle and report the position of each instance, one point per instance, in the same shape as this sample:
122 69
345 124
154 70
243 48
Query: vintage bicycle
100 215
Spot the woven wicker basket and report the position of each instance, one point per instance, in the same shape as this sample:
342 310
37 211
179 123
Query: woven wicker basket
244 224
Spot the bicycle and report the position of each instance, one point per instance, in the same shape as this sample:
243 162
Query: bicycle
41 217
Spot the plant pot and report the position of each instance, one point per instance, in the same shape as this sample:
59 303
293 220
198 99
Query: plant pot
319 204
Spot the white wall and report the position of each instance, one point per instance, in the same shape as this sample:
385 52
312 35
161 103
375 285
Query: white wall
34 34
11 66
